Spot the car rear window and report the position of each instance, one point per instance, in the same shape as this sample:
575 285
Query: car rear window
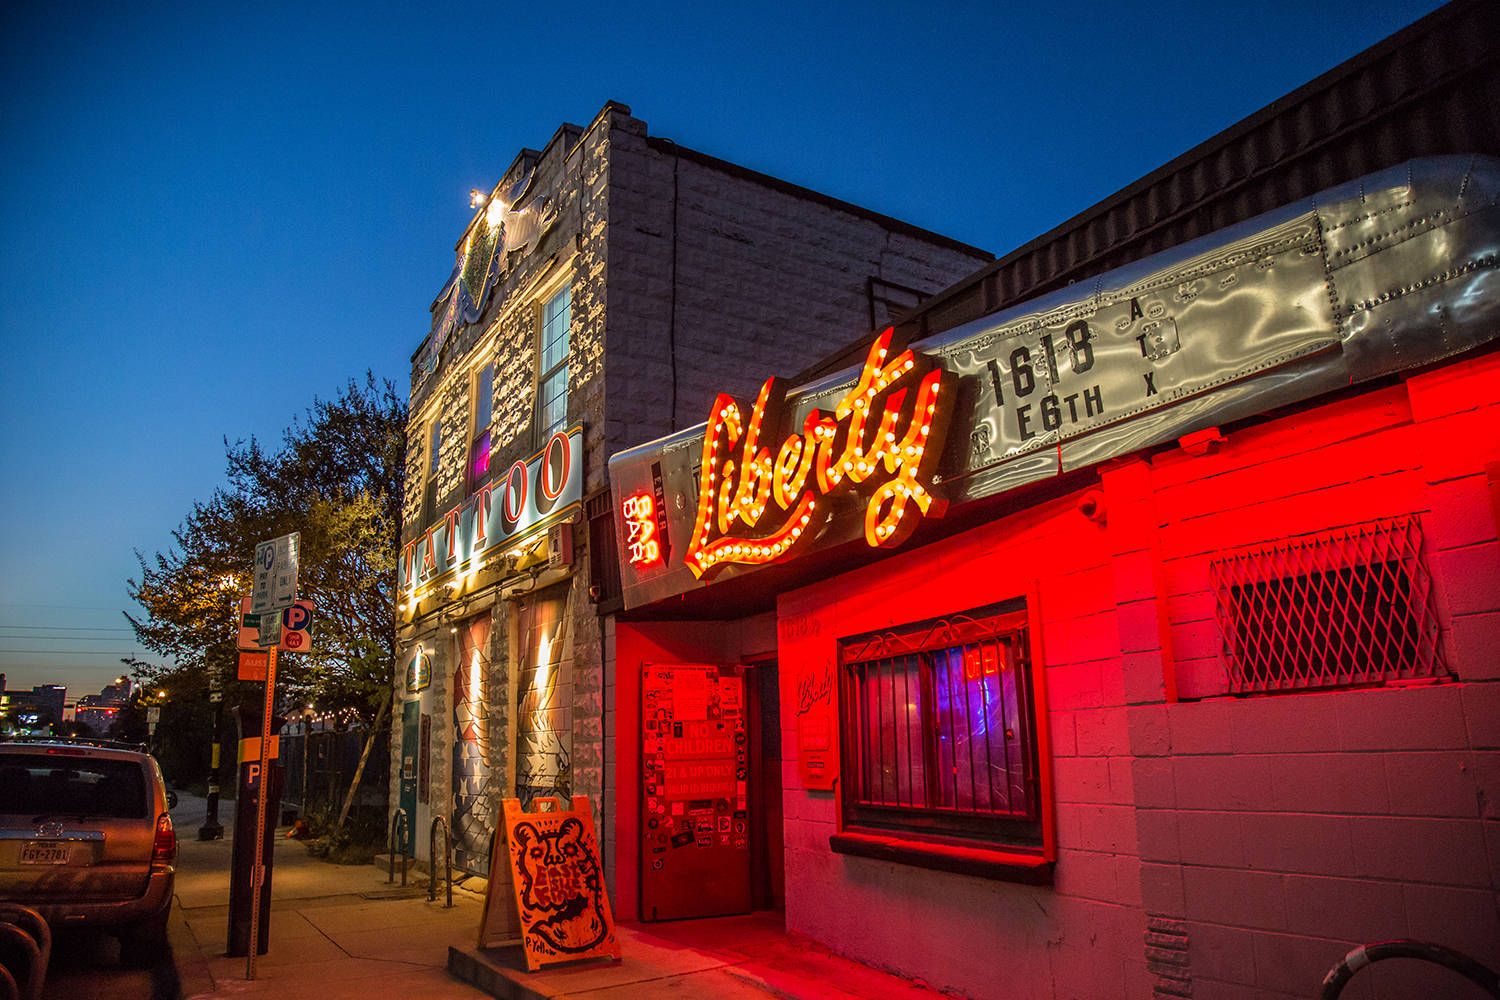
72 786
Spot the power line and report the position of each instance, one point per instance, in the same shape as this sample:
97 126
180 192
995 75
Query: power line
72 628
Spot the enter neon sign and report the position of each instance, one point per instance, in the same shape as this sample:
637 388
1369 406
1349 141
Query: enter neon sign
881 442
639 513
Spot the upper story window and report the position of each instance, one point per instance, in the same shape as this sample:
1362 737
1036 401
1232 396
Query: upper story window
552 365
483 410
429 475
1345 607
940 745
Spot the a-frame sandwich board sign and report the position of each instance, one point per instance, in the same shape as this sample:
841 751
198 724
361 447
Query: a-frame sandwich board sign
557 897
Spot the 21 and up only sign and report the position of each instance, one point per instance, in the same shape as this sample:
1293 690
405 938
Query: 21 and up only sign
296 623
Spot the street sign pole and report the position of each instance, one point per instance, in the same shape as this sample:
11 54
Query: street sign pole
259 871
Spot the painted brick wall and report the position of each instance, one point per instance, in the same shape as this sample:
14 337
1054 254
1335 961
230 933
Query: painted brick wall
1082 936
765 282
1280 831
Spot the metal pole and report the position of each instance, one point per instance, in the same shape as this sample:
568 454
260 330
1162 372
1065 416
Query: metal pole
259 871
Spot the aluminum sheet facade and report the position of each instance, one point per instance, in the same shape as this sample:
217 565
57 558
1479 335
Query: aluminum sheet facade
1395 270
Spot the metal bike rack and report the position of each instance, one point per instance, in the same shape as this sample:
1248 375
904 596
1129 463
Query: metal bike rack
27 932
432 860
399 820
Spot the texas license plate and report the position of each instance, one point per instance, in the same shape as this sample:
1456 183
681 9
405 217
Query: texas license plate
44 852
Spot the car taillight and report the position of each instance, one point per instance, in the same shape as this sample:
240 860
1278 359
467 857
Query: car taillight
165 847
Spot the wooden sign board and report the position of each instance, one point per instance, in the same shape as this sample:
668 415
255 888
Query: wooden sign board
558 904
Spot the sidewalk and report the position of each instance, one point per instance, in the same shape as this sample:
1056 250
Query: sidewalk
345 932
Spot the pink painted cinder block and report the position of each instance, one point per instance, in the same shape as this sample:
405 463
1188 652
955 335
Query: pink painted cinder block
1202 727
1142 678
1201 677
1285 724
1454 446
1222 782
1133 576
1153 782
1295 963
1414 849
1453 388
1415 718
1235 897
1328 783
1459 918
1150 733
1432 784
1156 833
1064 735
1161 889
1138 626
1109 829
1222 953
1482 714
1345 908
1471 577
1460 513
1298 842
1075 685
1101 732
1470 644
1083 779
1210 838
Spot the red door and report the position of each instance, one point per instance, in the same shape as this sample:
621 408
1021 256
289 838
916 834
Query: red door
695 858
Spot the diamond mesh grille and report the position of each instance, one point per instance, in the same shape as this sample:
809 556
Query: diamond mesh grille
1346 607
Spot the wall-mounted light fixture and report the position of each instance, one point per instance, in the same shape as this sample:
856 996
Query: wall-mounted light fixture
477 198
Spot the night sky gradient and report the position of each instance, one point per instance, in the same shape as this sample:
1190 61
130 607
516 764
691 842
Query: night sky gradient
209 217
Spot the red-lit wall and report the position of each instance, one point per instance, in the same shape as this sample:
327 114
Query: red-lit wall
630 645
1258 838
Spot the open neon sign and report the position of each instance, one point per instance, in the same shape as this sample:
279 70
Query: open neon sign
881 442
639 513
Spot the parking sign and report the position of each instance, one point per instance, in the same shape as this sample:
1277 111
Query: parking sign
275 574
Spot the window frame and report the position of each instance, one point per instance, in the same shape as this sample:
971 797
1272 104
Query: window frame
477 431
433 440
545 299
985 844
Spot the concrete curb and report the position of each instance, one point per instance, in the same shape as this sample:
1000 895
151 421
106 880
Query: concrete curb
192 974
470 966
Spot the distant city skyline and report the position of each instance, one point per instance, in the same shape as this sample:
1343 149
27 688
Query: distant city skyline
208 217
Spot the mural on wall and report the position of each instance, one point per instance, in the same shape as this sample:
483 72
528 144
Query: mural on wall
544 729
473 815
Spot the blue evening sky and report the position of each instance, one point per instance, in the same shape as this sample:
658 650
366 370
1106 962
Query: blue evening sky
210 216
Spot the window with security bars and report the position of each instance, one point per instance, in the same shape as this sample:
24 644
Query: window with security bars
939 729
1337 609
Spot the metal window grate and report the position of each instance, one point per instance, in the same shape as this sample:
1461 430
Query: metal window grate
604 560
946 729
1346 607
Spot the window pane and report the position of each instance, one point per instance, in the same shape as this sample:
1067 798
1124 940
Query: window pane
484 398
554 402
556 315
978 724
432 451
890 736
479 458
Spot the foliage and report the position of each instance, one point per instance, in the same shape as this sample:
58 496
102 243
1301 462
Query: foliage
355 843
336 479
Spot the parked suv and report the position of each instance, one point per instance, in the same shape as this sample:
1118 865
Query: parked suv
86 840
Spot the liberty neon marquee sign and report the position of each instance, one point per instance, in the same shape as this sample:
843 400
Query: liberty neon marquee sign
881 443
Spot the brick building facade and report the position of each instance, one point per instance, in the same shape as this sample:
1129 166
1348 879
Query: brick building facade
1185 683
608 286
